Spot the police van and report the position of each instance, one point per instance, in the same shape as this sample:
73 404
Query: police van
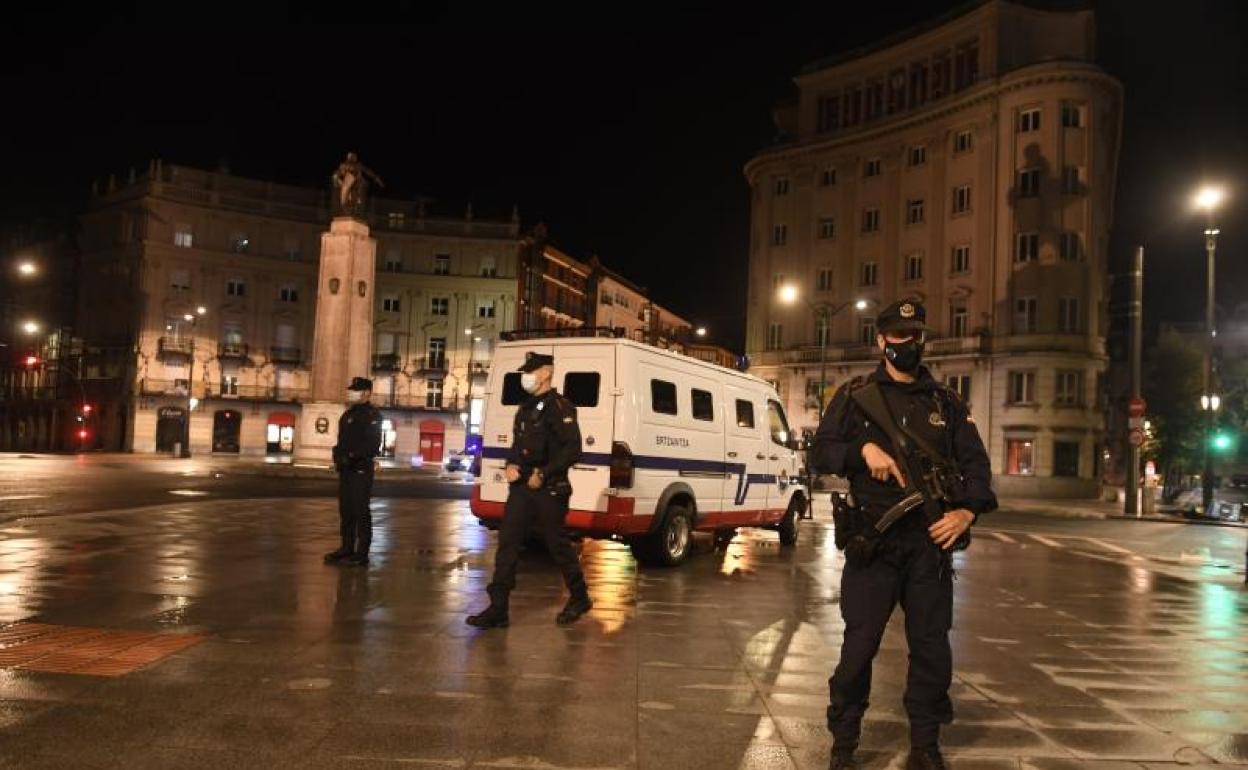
670 445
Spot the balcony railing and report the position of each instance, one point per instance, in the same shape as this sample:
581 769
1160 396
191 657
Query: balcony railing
232 350
284 355
176 346
387 362
433 363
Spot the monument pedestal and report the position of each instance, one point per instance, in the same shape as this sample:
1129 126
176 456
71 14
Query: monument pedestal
343 340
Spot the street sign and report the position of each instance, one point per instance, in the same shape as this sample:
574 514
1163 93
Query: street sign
1135 407
1136 438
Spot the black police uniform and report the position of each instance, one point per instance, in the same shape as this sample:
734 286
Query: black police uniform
359 443
546 438
910 567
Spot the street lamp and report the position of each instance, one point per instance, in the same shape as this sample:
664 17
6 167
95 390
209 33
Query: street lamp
30 327
700 331
825 311
191 401
27 268
1208 199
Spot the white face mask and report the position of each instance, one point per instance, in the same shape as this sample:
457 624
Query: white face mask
354 396
528 381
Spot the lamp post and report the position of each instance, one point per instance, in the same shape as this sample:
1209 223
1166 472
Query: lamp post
193 320
1208 199
825 311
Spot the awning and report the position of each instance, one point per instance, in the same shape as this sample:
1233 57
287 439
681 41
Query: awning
281 418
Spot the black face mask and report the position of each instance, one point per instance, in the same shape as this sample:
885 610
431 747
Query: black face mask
904 356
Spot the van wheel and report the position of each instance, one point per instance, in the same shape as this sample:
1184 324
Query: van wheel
788 525
670 544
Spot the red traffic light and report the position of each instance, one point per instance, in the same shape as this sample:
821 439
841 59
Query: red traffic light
32 360
86 408
82 434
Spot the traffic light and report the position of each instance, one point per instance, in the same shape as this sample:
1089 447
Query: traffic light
83 434
1222 441
87 409
31 361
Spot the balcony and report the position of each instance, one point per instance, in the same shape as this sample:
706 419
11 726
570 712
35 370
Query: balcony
433 364
479 371
258 393
236 351
175 347
387 362
284 355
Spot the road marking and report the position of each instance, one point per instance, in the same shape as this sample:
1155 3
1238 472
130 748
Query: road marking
1004 538
1109 546
21 497
1044 540
188 492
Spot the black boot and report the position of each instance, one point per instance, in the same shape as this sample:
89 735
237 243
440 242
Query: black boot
355 560
333 557
843 759
494 616
578 604
925 759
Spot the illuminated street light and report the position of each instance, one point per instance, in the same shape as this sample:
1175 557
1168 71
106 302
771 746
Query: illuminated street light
701 331
27 268
861 304
788 294
1209 198
30 327
1207 401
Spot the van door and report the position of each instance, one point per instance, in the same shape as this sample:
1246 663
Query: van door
782 461
585 375
745 493
503 395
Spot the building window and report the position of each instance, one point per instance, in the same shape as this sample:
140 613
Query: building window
1029 120
775 336
439 306
782 186
1028 182
1025 315
1072 184
1069 247
918 156
942 75
1066 458
914 211
777 282
390 303
962 199
229 385
180 280
866 331
433 394
918 84
235 288
962 258
870 220
960 384
291 248
827 228
437 353
829 118
914 267
872 167
1026 247
1022 388
958 318
1072 115
1069 390
1018 453
288 293
828 178
966 65
822 331
963 141
240 243
489 267
485 309
442 264
868 273
394 262
823 279
779 235
1068 315
183 237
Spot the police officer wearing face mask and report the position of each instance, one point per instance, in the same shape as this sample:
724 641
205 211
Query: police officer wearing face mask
359 443
546 442
912 564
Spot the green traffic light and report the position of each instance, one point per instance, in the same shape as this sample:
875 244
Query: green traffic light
1222 441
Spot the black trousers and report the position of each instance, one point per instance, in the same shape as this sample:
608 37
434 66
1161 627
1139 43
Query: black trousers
541 510
913 571
355 520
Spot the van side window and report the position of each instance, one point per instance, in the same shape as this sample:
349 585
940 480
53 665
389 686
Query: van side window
581 388
779 426
703 405
662 397
512 392
745 414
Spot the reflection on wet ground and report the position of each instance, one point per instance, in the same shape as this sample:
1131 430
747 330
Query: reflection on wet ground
1063 661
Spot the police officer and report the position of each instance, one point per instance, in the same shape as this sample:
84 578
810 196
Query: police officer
912 564
359 443
546 442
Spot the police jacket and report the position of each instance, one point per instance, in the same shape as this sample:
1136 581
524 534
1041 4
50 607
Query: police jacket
546 437
923 406
359 438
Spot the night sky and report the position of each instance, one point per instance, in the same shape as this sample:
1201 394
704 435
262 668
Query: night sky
625 132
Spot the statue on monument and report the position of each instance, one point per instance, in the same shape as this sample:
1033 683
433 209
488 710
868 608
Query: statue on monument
350 181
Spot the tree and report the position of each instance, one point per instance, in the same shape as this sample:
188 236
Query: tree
1172 388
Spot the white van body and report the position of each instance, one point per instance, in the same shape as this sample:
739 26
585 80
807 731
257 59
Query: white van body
665 438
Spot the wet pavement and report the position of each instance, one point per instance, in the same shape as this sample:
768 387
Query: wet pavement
1074 648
